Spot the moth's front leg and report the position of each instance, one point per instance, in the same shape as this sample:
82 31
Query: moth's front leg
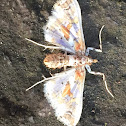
99 73
91 48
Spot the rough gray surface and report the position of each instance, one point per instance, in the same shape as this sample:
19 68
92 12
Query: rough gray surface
21 63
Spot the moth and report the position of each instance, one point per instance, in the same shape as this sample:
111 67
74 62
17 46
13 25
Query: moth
64 91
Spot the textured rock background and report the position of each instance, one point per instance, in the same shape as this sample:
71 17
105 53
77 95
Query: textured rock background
21 63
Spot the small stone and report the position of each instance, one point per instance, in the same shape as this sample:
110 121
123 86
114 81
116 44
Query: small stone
30 119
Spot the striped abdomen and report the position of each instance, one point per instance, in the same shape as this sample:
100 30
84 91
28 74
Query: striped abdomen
56 60
60 60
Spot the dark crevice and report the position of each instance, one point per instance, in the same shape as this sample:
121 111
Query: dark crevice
13 109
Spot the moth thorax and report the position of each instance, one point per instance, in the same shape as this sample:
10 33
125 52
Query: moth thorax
56 60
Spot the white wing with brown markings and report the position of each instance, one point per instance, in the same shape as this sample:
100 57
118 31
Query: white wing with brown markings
65 94
64 27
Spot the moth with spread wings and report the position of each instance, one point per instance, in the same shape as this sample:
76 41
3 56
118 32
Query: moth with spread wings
64 90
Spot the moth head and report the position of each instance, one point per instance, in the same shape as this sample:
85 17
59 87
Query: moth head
90 61
95 60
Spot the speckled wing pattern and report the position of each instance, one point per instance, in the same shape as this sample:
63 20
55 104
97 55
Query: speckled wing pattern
65 95
64 27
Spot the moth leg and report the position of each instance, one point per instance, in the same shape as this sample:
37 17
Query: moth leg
99 73
50 73
100 44
45 79
91 48
49 47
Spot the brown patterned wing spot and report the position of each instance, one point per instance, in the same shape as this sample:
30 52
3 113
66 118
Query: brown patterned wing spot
65 4
66 31
67 91
80 45
77 46
79 75
69 117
